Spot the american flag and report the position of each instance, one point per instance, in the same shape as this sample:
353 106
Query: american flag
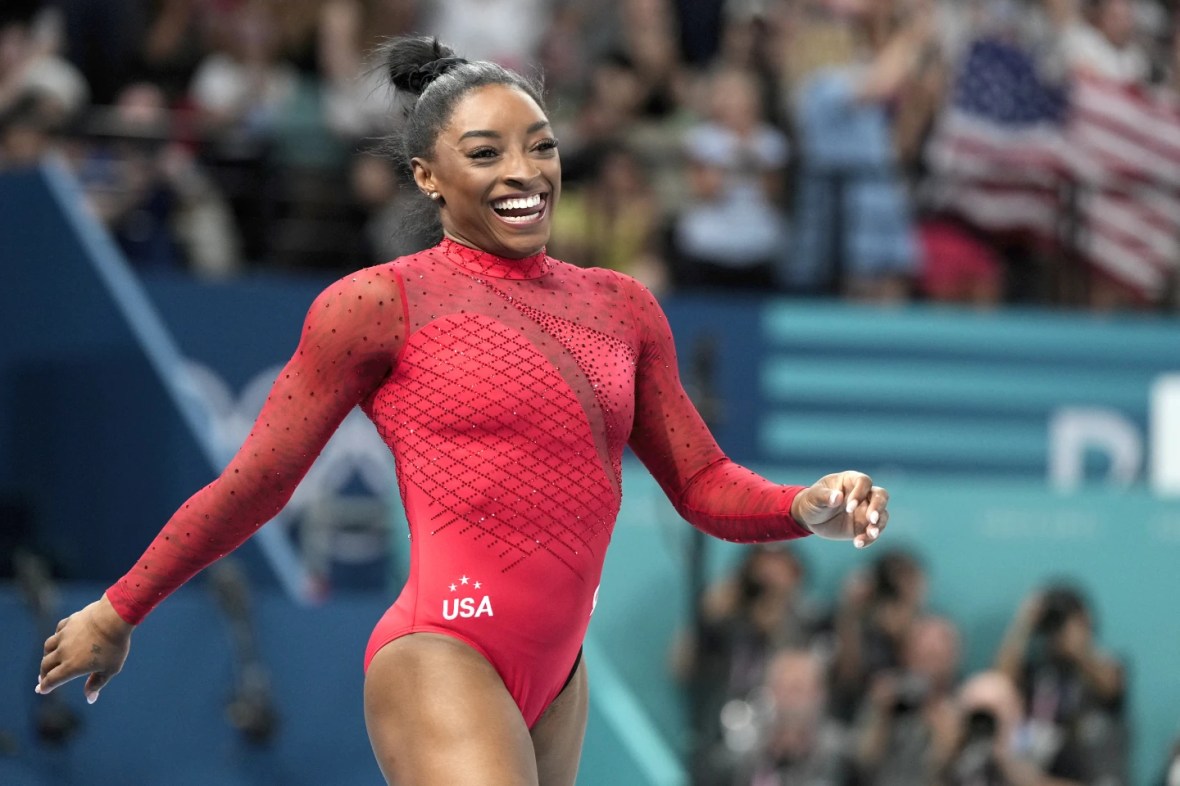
1011 149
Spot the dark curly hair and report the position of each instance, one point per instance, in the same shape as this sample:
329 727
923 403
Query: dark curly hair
434 78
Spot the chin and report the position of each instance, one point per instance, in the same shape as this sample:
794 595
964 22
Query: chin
520 244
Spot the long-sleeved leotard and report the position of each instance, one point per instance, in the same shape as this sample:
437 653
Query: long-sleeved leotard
506 390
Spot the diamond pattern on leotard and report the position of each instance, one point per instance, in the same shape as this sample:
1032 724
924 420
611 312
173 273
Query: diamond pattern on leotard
608 362
489 431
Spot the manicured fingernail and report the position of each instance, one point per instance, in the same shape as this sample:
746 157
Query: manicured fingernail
38 688
873 532
874 516
91 697
851 506
832 497
859 542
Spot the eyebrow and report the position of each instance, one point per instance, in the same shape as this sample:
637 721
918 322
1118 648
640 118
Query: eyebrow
534 128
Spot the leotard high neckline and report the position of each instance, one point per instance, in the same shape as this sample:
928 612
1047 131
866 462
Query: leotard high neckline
484 263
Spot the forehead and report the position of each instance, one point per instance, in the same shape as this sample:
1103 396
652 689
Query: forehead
504 109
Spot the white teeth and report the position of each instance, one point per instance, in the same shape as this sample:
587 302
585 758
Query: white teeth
518 204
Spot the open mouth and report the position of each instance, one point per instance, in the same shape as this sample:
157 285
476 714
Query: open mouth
521 210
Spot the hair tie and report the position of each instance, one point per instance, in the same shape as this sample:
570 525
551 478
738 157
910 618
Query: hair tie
428 72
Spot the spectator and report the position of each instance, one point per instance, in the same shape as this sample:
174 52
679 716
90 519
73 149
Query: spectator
987 752
32 71
957 265
177 36
1074 691
162 208
612 220
732 230
648 39
801 744
1099 39
25 135
355 91
854 231
743 621
508 32
908 723
245 85
871 623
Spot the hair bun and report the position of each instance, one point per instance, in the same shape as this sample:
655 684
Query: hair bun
413 62
428 72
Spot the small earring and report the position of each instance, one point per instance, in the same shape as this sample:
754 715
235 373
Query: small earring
434 195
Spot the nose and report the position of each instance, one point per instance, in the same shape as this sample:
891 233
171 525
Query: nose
521 171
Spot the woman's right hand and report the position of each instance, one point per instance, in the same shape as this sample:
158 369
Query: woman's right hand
92 641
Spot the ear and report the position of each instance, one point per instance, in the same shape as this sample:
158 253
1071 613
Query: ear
423 175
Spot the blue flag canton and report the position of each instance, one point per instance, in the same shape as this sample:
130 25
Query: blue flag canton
1000 82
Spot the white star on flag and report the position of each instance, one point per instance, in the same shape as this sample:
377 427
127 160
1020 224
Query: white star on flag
463 579
453 588
477 585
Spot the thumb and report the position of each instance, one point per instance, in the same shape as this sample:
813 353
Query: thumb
826 498
95 683
818 504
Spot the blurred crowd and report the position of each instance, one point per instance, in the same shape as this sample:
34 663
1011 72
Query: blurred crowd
881 150
874 691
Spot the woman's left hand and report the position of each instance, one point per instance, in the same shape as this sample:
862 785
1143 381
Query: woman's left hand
843 506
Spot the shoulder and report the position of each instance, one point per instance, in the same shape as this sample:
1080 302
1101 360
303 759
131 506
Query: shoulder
597 280
376 281
361 295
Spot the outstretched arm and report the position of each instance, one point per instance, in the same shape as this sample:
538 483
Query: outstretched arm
351 336
709 490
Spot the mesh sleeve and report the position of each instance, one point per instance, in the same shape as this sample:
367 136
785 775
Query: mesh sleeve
352 333
669 436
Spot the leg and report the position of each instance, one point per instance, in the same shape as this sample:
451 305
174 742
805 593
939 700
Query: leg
438 713
557 735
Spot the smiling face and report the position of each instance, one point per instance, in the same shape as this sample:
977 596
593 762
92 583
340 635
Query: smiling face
496 169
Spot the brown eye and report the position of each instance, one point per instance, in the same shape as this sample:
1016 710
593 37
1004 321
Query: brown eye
482 152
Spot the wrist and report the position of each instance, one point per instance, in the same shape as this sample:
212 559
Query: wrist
109 620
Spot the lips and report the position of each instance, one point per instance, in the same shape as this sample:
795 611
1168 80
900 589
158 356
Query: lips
521 209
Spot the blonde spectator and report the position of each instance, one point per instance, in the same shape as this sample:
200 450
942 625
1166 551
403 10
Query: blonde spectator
854 228
733 229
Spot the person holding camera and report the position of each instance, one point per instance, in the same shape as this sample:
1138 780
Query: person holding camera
908 724
742 622
876 609
1074 692
987 750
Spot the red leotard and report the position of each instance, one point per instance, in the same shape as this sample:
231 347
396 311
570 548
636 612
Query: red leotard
506 390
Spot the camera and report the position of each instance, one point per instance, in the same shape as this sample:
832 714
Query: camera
912 692
1060 603
975 763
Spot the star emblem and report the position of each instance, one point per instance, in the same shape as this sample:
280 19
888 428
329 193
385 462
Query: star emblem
478 585
462 579
453 588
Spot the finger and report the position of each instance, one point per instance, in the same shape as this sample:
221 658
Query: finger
51 643
877 502
61 624
873 531
58 676
830 498
859 490
94 683
48 664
